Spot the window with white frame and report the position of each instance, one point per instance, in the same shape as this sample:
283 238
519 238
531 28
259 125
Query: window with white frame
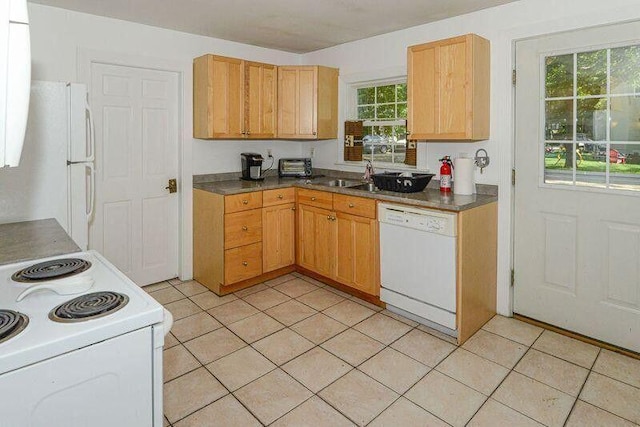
383 109
591 124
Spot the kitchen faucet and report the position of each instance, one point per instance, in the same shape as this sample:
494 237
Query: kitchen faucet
368 172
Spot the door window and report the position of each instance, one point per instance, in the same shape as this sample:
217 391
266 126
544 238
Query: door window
591 107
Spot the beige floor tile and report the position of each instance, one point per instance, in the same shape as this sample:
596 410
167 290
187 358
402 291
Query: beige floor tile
170 341
394 369
513 329
316 369
586 415
318 328
359 397
266 299
552 371
404 413
566 348
281 279
193 326
227 412
250 290
474 371
544 404
438 334
353 347
214 345
174 281
233 311
290 312
191 288
400 318
255 327
349 312
495 348
320 299
423 347
167 295
493 414
313 413
156 287
296 287
338 292
382 328
367 304
190 392
273 395
619 367
446 398
283 346
177 361
207 300
314 281
612 396
240 368
182 308
165 422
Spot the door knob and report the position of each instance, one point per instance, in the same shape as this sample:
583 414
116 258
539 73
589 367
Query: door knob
173 186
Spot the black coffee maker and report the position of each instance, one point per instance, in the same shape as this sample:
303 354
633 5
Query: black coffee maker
251 166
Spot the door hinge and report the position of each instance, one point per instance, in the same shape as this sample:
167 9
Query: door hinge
513 277
513 176
513 77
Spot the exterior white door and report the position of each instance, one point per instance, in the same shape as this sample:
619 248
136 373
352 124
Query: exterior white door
577 192
137 132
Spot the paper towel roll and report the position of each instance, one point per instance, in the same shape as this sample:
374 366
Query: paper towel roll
463 180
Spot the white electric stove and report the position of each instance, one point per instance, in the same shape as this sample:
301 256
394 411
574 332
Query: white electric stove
83 348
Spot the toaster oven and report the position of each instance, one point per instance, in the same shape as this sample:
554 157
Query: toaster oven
295 168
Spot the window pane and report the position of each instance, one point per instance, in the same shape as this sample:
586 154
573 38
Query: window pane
592 73
625 118
591 165
592 120
402 111
401 92
366 112
625 69
625 166
557 170
559 76
387 111
386 94
366 95
559 119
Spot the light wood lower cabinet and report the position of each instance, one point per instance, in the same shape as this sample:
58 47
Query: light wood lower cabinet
357 252
278 236
317 239
242 263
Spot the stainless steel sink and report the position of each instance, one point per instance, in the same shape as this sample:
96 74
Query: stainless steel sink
370 187
342 183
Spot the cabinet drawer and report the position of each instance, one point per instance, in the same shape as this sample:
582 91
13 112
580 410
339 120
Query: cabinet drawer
242 228
320 199
355 205
243 202
242 263
278 196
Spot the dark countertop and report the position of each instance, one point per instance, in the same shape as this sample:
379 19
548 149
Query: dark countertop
429 198
27 240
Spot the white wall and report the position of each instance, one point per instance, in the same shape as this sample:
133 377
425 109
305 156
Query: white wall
384 55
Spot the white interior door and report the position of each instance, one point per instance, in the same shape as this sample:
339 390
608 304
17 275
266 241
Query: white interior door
137 131
577 198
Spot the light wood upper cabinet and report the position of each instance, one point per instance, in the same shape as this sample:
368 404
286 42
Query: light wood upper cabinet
233 98
307 102
448 89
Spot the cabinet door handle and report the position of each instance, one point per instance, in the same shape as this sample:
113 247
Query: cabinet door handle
293 209
245 202
315 133
245 263
329 217
313 199
245 228
280 196
351 205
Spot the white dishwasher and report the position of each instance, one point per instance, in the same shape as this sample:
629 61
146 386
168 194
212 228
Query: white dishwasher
418 264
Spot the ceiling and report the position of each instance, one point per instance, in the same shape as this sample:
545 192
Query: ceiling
298 26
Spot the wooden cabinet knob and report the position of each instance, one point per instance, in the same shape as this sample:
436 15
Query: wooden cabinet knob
313 199
280 196
293 208
351 205
329 217
245 202
245 263
245 228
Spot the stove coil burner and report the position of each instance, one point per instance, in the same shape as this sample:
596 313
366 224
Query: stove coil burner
11 324
50 270
89 306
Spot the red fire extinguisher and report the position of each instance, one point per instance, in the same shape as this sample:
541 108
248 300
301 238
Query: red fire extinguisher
445 174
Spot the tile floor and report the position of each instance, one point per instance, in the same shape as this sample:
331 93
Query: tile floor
294 352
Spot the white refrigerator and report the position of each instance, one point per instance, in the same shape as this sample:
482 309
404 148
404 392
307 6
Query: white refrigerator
55 178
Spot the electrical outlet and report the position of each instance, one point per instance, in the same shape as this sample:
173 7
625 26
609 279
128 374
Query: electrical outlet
313 151
269 154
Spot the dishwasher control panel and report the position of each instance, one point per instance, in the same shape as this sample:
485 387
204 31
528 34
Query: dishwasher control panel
428 220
